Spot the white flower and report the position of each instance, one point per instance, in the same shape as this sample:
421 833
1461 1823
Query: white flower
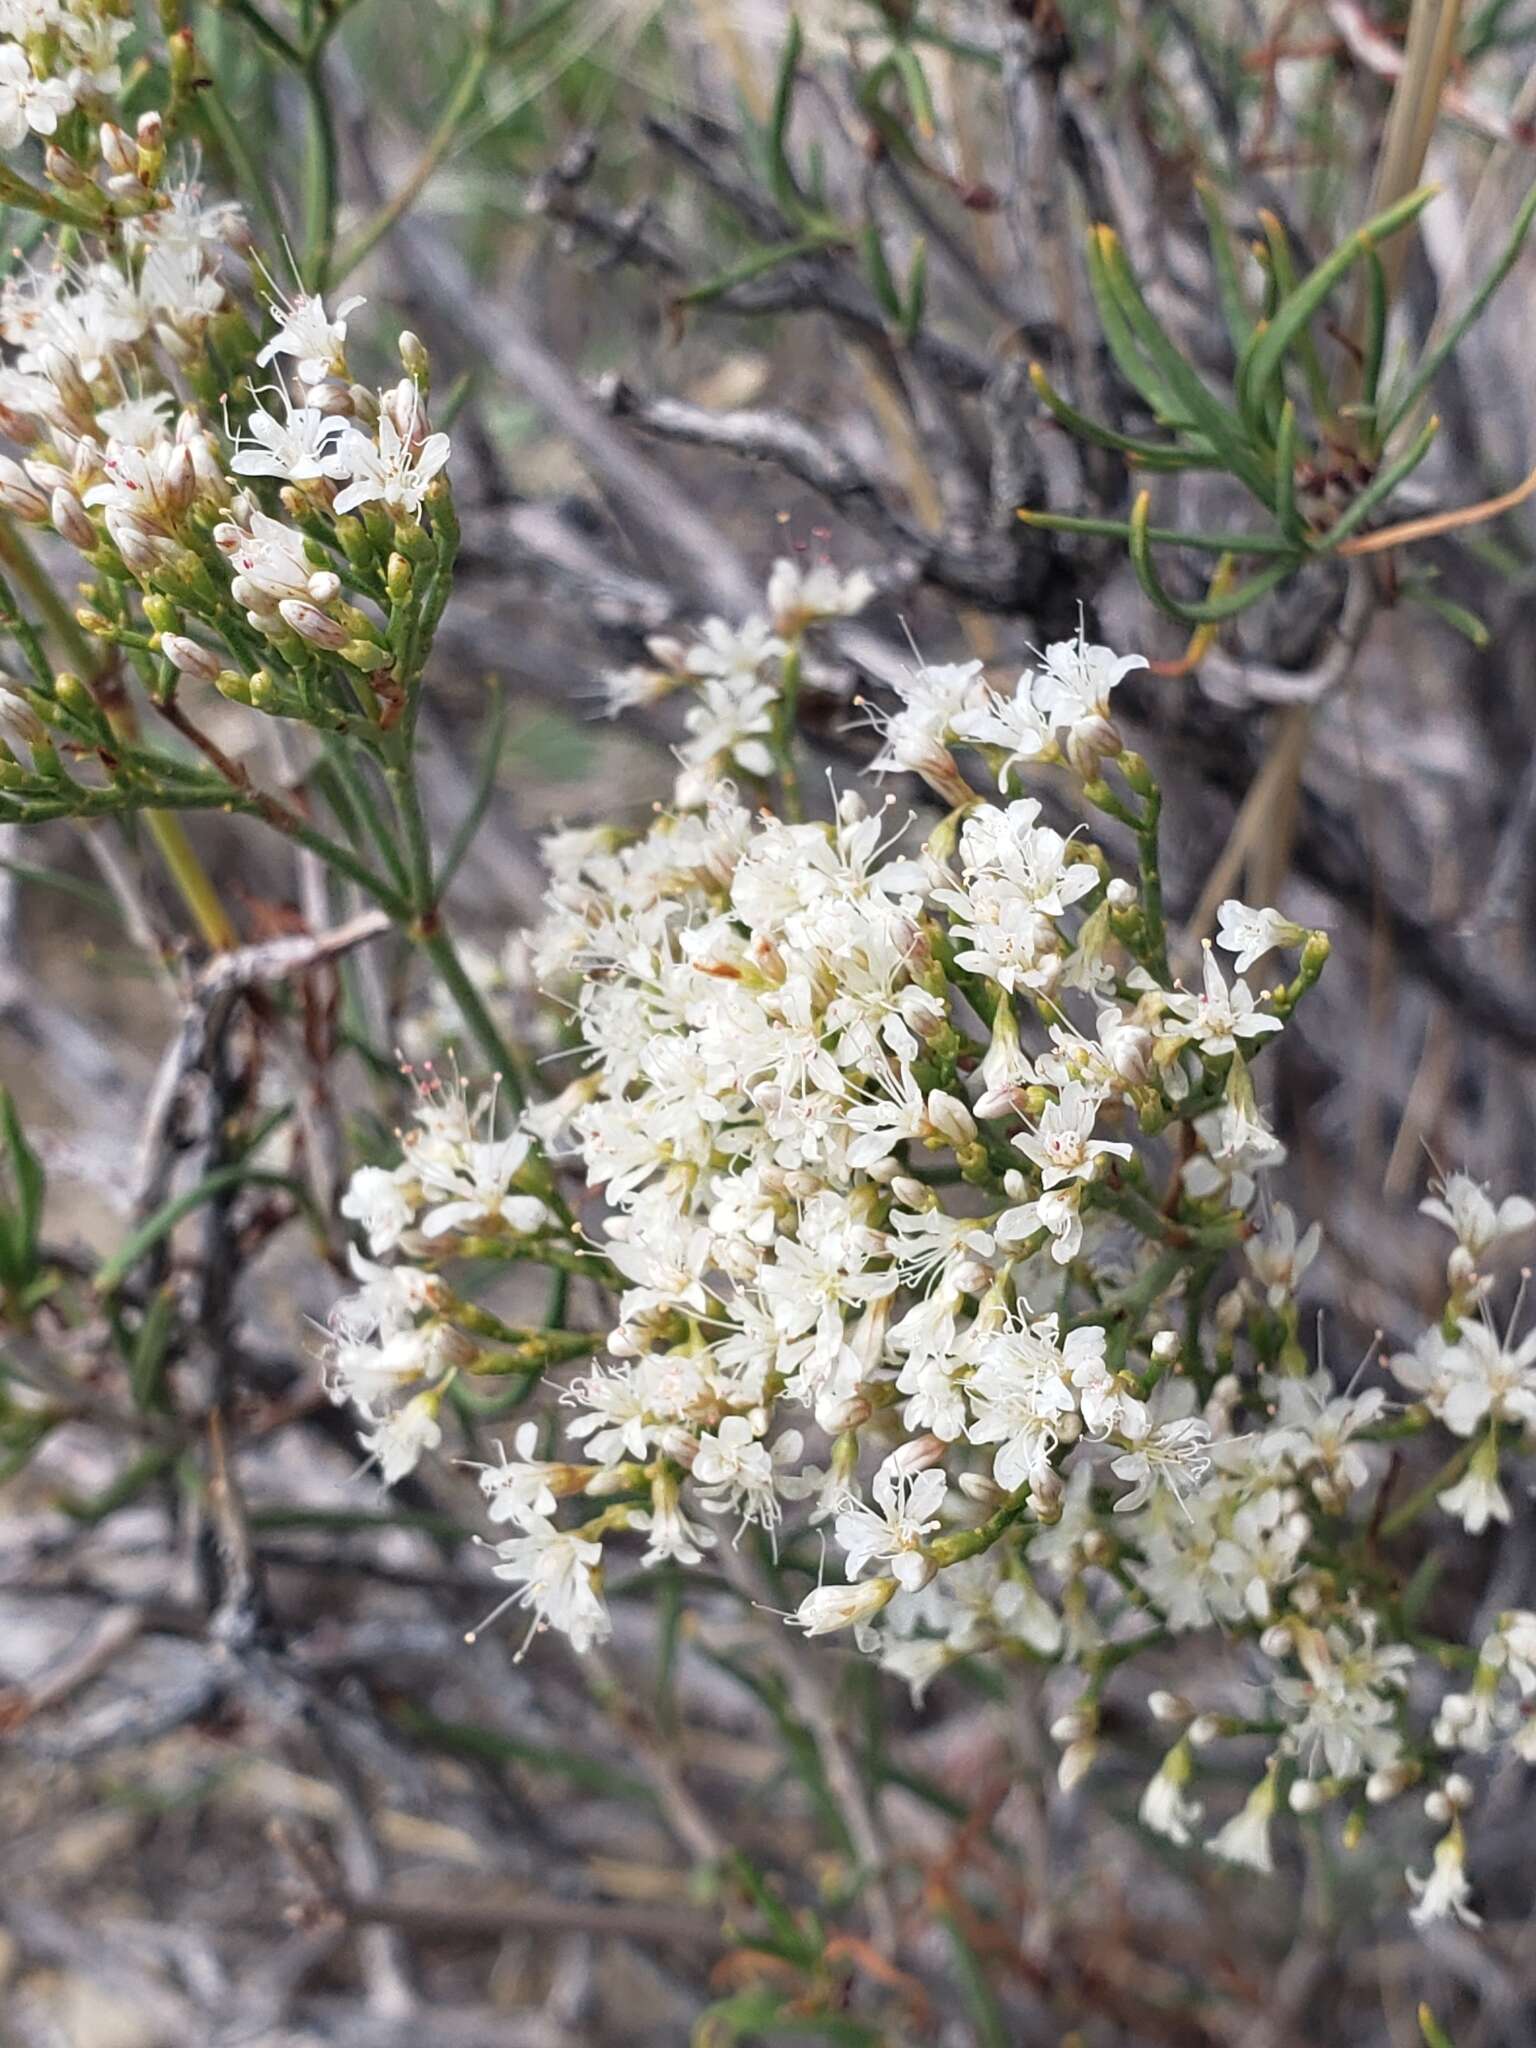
395 1445
672 1537
518 1490
389 470
733 653
28 104
1480 1377
1057 1212
740 1472
1341 1714
557 1571
1250 934
1078 679
1463 1206
309 334
1446 1892
1218 1017
907 1510
376 1199
478 1184
1013 723
1062 1144
1171 1454
299 447
1165 1806
834 1607
1245 1838
1277 1257
798 596
1478 1499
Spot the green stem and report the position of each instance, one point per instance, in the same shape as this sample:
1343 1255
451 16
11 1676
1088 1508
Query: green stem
319 178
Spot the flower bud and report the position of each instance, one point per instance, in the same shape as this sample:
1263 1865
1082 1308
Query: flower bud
834 1607
1169 1707
1120 894
119 152
1165 1347
1388 1783
1458 1790
1204 1730
313 625
1307 1796
1077 1760
324 585
62 169
366 655
70 519
329 397
19 495
838 1412
1074 1725
149 132
414 359
190 657
916 1455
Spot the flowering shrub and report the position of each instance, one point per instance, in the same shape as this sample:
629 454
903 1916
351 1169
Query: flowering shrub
932 1186
934 1217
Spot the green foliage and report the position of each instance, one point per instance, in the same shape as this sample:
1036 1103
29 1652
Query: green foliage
1322 459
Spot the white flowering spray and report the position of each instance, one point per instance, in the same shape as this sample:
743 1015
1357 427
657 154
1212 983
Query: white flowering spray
926 1200
931 1206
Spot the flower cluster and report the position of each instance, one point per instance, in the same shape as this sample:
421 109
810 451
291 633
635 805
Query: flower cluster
933 1211
55 56
256 519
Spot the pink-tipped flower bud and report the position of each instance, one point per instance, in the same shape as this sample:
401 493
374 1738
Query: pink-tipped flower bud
190 657
313 625
149 132
62 169
119 151
19 495
69 519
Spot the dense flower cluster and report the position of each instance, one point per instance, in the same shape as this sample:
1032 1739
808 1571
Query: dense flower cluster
934 1216
931 1190
273 534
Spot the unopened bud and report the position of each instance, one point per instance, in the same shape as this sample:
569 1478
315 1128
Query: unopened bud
1074 1725
324 586
329 397
1306 1796
63 170
1165 1347
70 519
1204 1730
397 579
414 359
190 657
19 495
1077 1760
1120 894
1459 1791
149 132
119 152
1387 1783
312 624
1169 1707
916 1455
366 655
